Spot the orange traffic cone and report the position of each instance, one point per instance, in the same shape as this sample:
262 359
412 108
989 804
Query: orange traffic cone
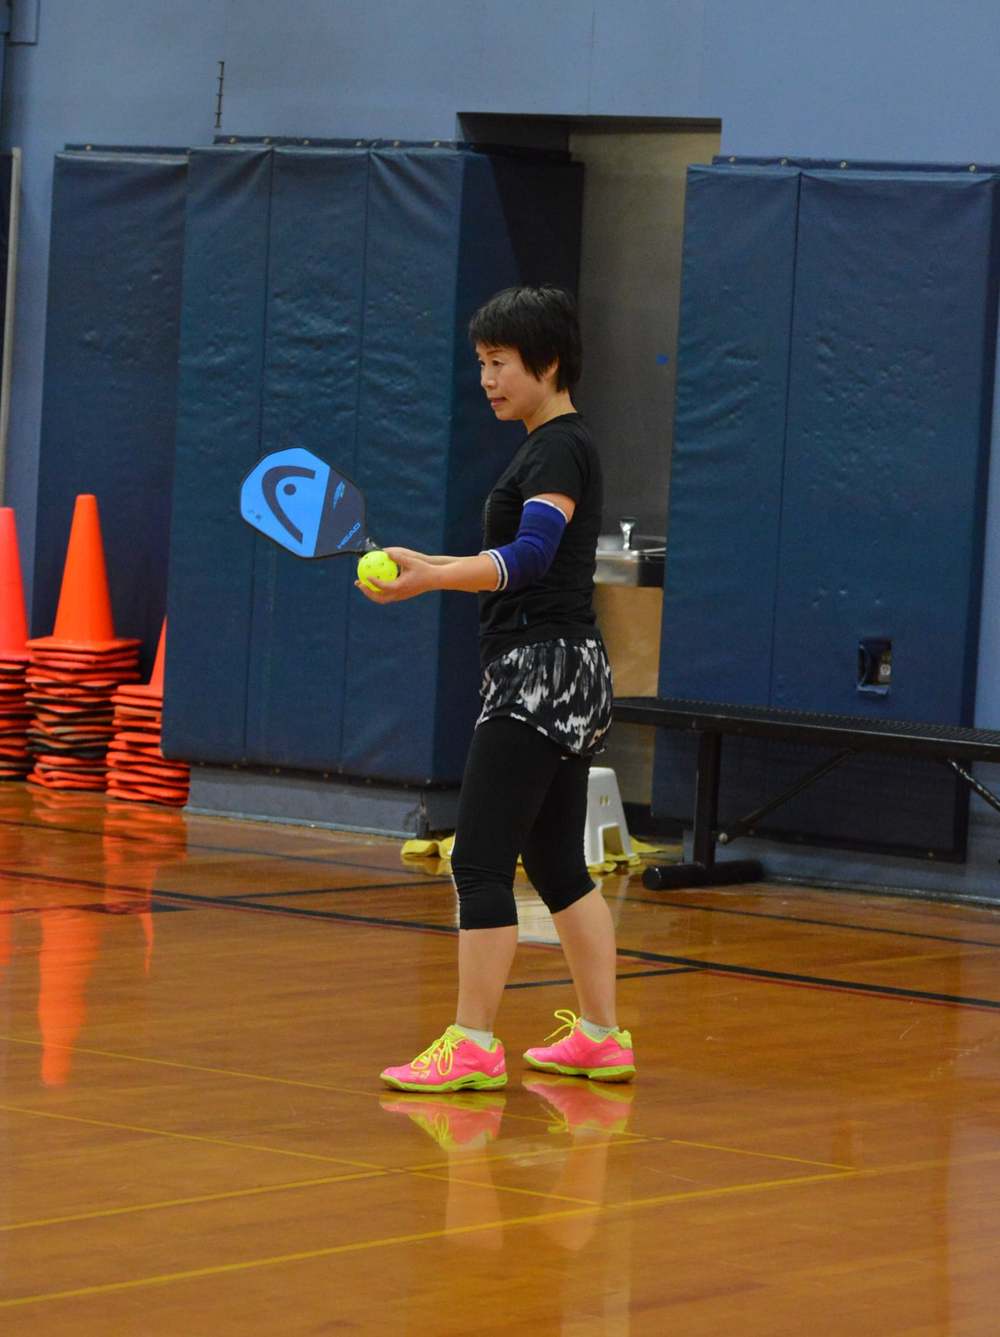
13 621
137 769
15 712
74 672
83 617
153 688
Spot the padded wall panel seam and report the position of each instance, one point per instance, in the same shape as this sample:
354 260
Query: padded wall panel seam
261 558
779 538
733 355
406 395
729 441
218 441
371 518
452 703
309 399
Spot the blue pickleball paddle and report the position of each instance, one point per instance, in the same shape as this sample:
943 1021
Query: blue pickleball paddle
305 506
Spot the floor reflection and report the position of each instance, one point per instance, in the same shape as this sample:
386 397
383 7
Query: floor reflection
559 1180
58 906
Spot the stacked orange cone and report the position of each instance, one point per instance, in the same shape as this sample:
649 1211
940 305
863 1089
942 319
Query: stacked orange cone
73 672
137 769
15 712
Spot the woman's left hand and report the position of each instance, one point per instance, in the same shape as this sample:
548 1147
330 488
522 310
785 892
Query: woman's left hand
416 576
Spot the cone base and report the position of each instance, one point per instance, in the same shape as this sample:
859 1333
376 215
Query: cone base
82 647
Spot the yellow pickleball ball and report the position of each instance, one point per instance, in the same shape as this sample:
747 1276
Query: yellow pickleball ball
378 565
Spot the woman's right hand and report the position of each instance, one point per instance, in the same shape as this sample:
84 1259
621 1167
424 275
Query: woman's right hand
416 576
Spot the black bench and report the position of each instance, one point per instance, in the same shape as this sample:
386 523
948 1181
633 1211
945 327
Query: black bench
848 735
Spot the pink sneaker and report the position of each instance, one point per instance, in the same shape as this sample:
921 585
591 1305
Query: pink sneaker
452 1063
577 1055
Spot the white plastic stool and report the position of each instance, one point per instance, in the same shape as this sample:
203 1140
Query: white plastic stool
606 827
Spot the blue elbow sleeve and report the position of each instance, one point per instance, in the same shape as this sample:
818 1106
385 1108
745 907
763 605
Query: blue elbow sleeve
530 555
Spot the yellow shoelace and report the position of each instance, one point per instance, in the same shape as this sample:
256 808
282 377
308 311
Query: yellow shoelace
569 1020
442 1051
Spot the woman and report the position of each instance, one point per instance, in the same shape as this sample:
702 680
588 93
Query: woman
546 706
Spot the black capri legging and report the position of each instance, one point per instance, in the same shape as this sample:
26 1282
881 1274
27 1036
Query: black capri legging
521 795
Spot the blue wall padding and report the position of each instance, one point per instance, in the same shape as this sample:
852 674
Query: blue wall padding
212 554
884 498
729 443
404 397
315 295
349 265
891 389
891 377
111 376
881 495
729 434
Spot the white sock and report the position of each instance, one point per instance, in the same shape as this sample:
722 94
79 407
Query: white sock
482 1038
596 1032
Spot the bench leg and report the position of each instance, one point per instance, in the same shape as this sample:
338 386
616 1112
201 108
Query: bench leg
985 794
674 876
703 871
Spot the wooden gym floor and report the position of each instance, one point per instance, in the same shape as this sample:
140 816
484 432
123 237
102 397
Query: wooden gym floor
194 1140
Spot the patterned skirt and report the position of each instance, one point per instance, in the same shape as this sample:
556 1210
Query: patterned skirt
561 688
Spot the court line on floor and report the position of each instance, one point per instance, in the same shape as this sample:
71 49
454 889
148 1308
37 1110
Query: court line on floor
347 1090
429 881
340 891
193 1201
234 904
95 907
193 1067
436 1172
630 953
191 1137
630 1138
764 1155
236 899
413 872
699 965
446 1176
241 850
446 1232
367 1092
856 987
359 1246
821 923
621 975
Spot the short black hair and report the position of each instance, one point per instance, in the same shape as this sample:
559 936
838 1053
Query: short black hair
541 323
